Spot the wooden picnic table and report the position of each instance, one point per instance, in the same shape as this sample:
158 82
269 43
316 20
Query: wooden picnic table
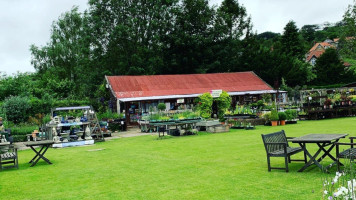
323 141
45 144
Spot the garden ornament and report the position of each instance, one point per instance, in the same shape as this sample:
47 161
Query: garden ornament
3 139
87 133
55 136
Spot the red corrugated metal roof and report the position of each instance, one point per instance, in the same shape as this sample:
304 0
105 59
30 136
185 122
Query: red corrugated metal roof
163 85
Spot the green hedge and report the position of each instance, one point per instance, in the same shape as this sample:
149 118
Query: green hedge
19 138
23 130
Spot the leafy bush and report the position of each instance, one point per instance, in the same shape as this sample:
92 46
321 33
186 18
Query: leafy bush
274 113
267 117
204 105
224 103
109 115
244 109
16 108
274 116
282 116
114 126
154 116
23 129
260 104
266 97
43 105
161 106
19 138
291 114
70 102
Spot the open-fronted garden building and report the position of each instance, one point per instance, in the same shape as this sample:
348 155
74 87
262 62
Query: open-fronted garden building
134 95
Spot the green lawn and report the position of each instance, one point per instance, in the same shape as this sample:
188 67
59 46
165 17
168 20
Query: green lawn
207 166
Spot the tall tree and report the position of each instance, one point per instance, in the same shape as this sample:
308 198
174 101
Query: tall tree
329 69
231 26
291 41
348 35
188 46
308 32
67 53
128 34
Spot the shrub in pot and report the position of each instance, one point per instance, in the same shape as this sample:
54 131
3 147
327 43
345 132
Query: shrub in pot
282 118
274 117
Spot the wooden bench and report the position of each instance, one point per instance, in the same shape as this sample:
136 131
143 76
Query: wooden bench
276 145
9 158
349 153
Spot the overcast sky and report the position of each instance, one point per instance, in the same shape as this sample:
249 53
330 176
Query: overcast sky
26 22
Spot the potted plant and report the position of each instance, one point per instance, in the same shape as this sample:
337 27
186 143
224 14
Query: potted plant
249 127
327 103
291 116
282 118
274 117
353 100
266 117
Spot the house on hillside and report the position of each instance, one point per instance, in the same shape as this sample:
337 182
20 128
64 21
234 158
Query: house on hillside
134 95
319 48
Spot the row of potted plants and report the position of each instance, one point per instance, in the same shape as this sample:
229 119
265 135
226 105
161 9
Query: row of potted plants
161 117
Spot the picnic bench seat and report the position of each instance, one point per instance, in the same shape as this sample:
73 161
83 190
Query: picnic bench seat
276 145
349 153
9 158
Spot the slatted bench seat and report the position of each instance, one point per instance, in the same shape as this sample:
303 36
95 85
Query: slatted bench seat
9 159
276 145
349 153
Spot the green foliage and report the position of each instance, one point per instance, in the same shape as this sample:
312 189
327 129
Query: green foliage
20 131
20 84
274 113
274 116
155 116
329 69
291 43
243 109
161 107
348 33
114 126
260 104
224 103
204 105
43 105
108 114
267 117
266 97
70 102
17 108
291 114
282 116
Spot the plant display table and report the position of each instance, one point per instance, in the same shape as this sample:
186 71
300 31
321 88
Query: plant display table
45 144
323 141
165 126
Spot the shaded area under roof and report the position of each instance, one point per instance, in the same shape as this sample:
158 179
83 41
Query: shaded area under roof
186 84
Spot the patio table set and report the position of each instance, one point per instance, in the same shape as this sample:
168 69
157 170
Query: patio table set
276 145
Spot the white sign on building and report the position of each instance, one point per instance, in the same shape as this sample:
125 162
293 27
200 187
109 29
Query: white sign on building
215 93
180 100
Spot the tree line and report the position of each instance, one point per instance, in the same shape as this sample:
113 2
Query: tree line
146 37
